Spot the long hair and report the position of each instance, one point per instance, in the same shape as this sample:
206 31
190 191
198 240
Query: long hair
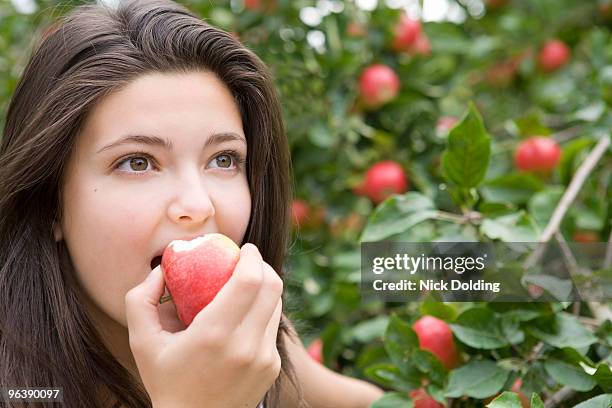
46 337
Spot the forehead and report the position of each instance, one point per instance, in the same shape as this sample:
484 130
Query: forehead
168 104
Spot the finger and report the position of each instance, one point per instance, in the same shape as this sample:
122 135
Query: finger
267 299
141 305
237 296
271 331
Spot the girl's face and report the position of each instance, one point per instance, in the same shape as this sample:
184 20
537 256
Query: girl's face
161 159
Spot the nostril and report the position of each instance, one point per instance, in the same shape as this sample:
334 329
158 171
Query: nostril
155 262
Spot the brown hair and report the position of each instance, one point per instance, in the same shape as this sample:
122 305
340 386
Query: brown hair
46 337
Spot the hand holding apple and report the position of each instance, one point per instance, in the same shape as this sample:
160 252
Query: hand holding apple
227 356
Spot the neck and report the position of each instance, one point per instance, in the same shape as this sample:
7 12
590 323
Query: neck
114 336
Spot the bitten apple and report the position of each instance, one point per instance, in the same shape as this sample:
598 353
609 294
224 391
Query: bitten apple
196 270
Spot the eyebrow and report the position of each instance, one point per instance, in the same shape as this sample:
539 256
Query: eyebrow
215 138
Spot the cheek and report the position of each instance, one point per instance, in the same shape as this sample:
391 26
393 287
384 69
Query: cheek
232 208
107 233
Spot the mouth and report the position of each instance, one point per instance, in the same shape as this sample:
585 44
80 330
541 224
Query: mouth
155 262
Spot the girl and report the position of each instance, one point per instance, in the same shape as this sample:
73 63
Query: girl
132 127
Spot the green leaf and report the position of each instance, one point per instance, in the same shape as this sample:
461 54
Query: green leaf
601 401
569 374
562 330
398 214
517 227
429 365
391 376
515 188
371 329
477 379
479 328
506 400
399 341
438 309
393 400
536 401
543 204
466 157
603 376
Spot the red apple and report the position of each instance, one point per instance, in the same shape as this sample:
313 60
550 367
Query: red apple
300 212
196 270
537 154
586 236
445 124
355 29
421 399
378 85
516 387
495 4
553 55
422 46
534 290
436 336
605 9
315 350
406 33
382 180
260 5
251 4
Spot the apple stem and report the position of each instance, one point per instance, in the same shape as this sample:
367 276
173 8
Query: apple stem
165 299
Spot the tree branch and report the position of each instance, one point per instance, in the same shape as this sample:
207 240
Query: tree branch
561 395
568 197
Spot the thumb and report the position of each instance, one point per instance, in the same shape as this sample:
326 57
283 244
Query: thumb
141 304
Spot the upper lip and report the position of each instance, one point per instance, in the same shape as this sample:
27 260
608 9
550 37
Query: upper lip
187 238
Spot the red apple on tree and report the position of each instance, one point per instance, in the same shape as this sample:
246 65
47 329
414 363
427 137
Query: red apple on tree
436 336
406 33
196 270
496 4
421 399
537 154
378 85
422 46
585 236
355 29
315 350
300 212
382 180
553 55
445 124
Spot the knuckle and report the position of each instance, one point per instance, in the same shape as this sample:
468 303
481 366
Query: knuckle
214 339
131 297
244 357
276 284
273 365
251 280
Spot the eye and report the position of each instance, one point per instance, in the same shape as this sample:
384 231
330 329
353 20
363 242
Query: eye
227 160
224 161
135 164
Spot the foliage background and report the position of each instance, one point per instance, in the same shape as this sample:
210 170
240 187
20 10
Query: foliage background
487 56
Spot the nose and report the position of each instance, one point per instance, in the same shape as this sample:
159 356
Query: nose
191 202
